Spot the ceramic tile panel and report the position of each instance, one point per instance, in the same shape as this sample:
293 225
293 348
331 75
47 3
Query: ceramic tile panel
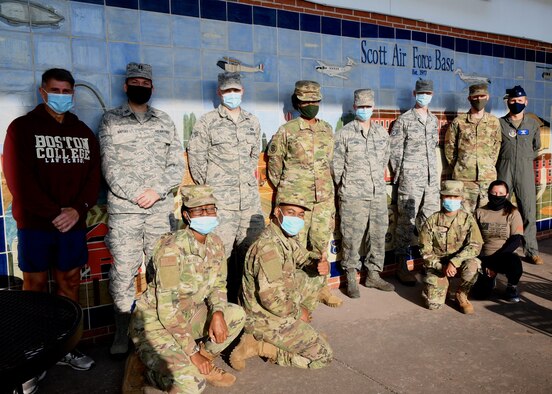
51 51
87 20
240 37
186 64
155 28
89 55
214 34
15 50
265 40
161 60
186 32
122 24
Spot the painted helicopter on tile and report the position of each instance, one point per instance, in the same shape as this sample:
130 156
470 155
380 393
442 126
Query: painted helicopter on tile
335 71
234 65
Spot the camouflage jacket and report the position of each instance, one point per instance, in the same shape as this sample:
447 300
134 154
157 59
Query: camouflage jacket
521 143
472 146
187 274
360 159
299 160
455 237
271 299
413 156
224 155
138 155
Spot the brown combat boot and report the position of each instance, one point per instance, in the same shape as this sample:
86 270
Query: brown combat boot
464 303
218 377
326 297
247 348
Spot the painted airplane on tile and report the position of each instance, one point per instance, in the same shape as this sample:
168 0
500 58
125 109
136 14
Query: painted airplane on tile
335 71
234 65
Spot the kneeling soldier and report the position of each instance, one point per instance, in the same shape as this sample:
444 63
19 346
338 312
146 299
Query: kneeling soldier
279 296
186 301
450 241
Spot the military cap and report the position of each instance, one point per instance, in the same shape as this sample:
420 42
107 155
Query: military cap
364 97
307 91
197 195
424 85
452 188
139 70
290 198
516 91
229 81
479 89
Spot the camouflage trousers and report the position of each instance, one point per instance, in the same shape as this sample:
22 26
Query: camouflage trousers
130 237
319 226
475 195
167 364
238 229
416 202
299 344
436 282
363 228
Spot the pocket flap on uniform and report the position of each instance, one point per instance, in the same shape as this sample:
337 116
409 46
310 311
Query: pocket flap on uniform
271 266
169 276
168 261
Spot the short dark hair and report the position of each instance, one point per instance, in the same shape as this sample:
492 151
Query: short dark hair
59 74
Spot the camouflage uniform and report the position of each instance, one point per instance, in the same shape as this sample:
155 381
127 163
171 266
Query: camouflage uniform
299 160
137 154
188 287
471 149
274 290
455 239
224 154
360 158
414 162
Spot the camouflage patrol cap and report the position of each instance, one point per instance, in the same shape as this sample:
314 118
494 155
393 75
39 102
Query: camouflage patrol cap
479 89
197 195
290 198
307 91
229 80
424 85
139 70
516 91
364 97
452 188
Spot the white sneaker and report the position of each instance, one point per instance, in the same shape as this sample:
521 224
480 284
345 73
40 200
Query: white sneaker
77 360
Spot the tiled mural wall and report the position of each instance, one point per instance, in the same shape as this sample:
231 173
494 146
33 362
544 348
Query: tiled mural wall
189 42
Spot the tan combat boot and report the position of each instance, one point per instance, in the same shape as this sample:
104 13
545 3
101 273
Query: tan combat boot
326 297
268 350
464 303
247 348
217 377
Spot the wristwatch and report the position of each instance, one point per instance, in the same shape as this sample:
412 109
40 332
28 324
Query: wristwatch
196 349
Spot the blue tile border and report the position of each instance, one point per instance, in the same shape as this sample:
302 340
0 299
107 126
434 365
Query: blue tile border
264 16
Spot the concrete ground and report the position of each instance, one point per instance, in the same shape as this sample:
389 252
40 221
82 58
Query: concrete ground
389 343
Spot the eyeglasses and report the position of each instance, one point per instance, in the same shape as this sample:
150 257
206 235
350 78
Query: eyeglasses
202 211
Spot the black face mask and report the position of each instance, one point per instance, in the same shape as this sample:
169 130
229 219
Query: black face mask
479 104
516 108
138 94
496 203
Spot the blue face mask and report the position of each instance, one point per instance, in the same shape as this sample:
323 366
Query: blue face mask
232 100
423 99
204 224
292 225
451 205
363 114
60 103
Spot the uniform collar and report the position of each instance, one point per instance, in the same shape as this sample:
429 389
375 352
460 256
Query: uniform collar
195 247
471 119
277 231
127 111
224 114
304 125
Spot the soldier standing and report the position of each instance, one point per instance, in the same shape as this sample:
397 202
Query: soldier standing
142 162
361 155
413 140
520 145
472 143
299 164
450 242
279 296
224 153
186 301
